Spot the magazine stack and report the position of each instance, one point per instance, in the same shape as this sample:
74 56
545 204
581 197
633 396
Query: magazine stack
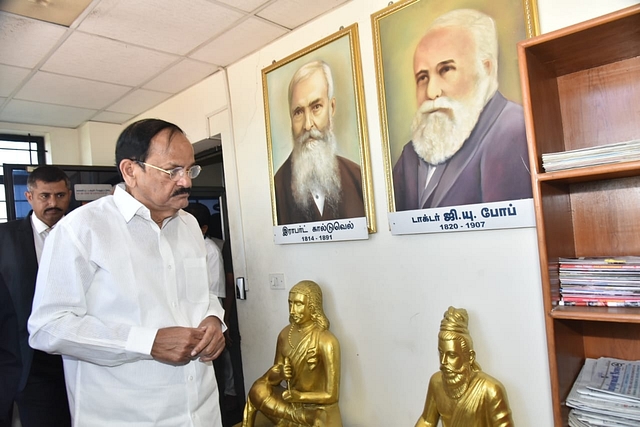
600 281
606 393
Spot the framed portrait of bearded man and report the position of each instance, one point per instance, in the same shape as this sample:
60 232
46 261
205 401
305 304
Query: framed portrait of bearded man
317 143
451 114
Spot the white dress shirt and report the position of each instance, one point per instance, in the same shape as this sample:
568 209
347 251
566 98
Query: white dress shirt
216 268
40 232
108 280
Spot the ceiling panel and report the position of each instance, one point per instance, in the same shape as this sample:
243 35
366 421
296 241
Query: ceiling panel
176 26
111 117
98 58
234 44
181 76
25 42
72 91
293 13
139 100
10 78
246 5
44 114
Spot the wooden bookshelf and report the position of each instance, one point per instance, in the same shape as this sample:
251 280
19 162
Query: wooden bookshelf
581 88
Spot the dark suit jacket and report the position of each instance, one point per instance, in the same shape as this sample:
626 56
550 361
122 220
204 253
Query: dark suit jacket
10 364
491 166
19 268
351 204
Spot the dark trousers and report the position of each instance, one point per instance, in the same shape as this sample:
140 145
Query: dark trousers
43 401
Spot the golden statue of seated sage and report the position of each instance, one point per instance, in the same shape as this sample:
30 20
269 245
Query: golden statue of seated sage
302 387
460 394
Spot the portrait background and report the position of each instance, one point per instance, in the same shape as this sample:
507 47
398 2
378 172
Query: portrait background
399 33
345 120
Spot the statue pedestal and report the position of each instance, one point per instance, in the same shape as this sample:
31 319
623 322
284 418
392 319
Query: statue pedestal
261 421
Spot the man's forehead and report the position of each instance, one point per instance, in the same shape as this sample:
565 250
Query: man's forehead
168 142
54 185
443 41
315 81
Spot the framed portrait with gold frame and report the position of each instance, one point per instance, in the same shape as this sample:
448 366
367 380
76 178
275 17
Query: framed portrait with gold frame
317 143
452 125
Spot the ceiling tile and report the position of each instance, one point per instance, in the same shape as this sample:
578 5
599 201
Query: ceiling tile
139 101
25 42
111 117
181 76
62 12
44 114
177 26
72 91
97 58
10 78
246 5
293 13
234 44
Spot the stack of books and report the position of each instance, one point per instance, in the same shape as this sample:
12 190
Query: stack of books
606 393
600 281
592 156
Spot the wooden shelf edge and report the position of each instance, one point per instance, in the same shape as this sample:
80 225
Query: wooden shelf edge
597 314
593 173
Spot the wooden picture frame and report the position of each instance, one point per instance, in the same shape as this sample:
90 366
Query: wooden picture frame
397 30
345 107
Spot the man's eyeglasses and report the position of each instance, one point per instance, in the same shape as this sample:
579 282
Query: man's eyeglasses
176 173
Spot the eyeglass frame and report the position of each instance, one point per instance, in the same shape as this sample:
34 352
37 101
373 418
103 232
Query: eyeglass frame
178 172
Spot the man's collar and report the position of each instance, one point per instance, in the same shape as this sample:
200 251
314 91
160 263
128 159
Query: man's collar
129 206
38 225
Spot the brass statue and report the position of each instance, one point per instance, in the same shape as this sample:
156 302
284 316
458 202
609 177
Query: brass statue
460 393
308 361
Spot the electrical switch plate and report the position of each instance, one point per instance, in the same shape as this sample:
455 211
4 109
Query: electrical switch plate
276 281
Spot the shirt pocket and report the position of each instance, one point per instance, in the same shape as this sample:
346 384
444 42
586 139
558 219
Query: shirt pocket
196 280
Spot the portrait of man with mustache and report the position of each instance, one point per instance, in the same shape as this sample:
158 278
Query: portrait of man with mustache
315 183
468 141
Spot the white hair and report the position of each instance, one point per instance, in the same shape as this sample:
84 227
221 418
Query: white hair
484 32
306 71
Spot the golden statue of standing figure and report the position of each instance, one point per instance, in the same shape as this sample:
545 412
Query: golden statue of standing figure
460 393
308 361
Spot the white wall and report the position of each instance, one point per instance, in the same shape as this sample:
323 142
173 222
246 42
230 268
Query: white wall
62 144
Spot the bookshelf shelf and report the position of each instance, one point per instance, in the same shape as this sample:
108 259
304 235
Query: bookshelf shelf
600 314
580 89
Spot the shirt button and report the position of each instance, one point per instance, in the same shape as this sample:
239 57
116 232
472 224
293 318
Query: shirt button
190 377
169 267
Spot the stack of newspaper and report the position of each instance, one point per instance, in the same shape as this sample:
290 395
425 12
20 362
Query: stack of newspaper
592 156
600 281
606 393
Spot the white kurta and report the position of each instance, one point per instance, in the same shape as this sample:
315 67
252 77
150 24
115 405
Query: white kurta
109 278
216 268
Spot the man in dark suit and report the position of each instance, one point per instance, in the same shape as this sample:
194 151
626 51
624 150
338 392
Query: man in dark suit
10 366
40 393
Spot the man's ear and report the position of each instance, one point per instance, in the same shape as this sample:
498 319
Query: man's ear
333 106
128 171
29 196
472 356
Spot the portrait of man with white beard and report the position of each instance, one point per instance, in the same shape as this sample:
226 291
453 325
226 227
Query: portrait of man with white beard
315 183
468 141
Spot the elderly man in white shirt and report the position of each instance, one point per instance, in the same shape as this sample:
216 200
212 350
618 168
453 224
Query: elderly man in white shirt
123 294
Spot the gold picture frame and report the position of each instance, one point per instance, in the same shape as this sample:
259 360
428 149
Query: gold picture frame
341 52
396 32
